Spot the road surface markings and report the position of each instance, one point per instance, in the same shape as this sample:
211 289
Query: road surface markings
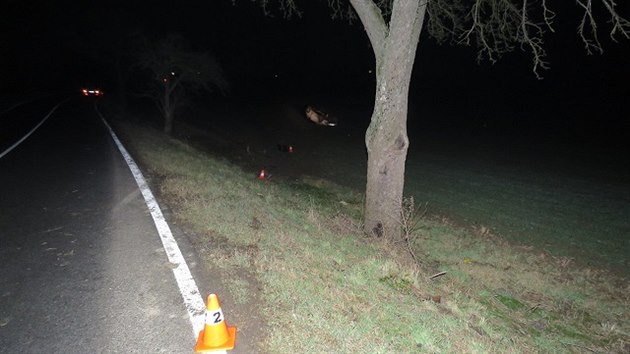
186 283
32 130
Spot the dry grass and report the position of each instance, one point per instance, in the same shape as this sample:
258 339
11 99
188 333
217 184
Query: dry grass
297 250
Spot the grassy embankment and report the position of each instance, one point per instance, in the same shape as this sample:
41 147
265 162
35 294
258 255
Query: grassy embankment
294 250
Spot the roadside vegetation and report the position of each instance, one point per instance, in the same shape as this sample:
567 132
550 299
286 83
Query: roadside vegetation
293 253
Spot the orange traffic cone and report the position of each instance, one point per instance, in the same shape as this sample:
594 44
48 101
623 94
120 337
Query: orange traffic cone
216 334
261 175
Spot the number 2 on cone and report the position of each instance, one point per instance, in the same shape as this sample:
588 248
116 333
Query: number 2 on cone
214 318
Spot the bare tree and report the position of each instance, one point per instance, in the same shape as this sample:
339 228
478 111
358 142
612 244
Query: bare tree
393 27
173 71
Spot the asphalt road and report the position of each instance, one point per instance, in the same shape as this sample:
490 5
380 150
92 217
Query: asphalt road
82 269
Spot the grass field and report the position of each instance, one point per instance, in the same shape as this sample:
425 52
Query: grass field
568 198
291 251
575 209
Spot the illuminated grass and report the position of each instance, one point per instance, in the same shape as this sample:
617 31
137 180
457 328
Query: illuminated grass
331 290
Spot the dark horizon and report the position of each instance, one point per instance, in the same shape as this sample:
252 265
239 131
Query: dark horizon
58 47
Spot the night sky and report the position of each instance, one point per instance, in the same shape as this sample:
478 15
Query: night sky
57 46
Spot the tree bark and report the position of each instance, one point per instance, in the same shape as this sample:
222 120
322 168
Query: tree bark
386 137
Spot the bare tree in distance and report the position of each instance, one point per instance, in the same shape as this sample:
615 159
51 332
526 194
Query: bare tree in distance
174 71
393 27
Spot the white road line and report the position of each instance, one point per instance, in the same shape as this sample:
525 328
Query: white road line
32 130
187 286
14 107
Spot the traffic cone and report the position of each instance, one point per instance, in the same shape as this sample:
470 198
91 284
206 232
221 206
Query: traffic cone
261 175
216 335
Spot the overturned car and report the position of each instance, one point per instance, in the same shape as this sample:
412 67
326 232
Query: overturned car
319 117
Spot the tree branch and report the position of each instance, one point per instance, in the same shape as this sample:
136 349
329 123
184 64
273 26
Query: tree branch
407 16
535 43
495 26
548 15
591 43
445 19
374 24
620 24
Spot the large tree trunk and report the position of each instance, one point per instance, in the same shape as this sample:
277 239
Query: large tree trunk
386 141
386 138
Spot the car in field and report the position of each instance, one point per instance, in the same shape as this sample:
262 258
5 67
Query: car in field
92 92
320 118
